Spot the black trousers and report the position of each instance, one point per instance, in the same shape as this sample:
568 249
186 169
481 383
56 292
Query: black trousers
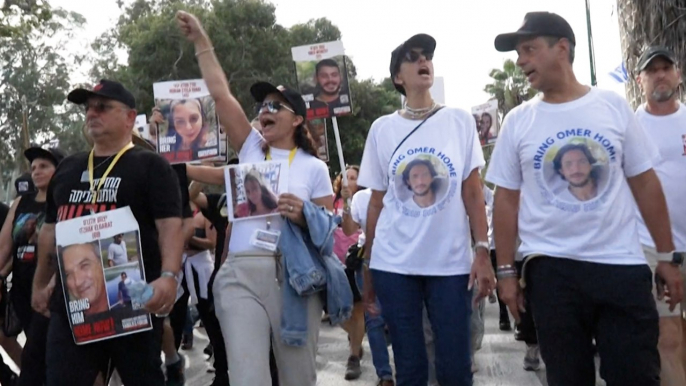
526 326
177 319
575 302
33 366
136 357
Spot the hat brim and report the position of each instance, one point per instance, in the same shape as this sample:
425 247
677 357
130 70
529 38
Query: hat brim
80 96
423 41
260 90
34 153
652 57
508 42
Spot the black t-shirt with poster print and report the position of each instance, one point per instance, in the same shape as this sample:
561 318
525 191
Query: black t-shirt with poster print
141 180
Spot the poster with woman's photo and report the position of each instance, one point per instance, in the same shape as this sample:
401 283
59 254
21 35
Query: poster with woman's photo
322 79
317 129
487 122
253 189
190 130
100 265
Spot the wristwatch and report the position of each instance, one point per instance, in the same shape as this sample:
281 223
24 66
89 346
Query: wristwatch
170 274
675 258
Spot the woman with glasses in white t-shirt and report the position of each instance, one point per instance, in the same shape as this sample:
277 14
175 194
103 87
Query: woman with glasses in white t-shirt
422 164
248 286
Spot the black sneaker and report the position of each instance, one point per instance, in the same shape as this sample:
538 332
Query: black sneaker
505 325
187 341
175 373
353 369
209 350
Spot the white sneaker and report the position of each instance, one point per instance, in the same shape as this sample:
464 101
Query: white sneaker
532 360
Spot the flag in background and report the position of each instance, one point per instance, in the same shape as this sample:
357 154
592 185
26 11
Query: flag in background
620 74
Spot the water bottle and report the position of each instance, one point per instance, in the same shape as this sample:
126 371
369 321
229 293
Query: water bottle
140 291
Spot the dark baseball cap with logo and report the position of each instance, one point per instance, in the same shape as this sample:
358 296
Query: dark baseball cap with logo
260 90
654 52
107 89
423 41
24 184
536 24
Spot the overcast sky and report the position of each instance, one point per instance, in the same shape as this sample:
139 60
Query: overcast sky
464 31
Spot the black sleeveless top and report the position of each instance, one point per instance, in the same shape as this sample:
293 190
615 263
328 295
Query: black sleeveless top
28 218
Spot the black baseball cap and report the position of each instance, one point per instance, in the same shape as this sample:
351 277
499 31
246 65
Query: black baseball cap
54 155
536 24
423 41
652 53
107 89
260 90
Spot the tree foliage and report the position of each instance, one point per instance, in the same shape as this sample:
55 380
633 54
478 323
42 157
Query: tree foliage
250 46
510 87
34 81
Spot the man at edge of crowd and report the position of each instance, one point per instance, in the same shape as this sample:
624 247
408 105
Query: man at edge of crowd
663 119
152 194
585 272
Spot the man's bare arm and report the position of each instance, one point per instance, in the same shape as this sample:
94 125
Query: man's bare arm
505 228
46 250
171 242
475 205
650 199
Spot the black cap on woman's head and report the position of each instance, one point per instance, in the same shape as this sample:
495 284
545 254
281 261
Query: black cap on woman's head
260 90
423 41
53 155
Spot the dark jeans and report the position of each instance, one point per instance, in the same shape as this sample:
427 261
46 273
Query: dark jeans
526 326
448 303
503 308
136 357
575 302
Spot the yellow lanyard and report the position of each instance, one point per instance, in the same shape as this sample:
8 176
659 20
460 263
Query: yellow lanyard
291 155
107 172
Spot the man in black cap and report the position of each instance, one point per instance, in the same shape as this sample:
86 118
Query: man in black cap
112 174
663 118
586 275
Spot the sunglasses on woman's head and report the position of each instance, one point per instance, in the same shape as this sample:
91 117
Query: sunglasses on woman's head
272 107
413 56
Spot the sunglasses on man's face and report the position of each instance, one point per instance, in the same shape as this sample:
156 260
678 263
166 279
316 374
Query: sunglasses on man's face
413 56
272 107
99 107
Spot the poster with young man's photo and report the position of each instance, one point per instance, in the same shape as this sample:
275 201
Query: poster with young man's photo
100 262
190 128
487 122
317 129
322 79
253 189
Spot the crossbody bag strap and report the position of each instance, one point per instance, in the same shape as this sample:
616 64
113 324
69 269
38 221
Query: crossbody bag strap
414 130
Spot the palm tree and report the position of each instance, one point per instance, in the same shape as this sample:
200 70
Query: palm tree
644 23
509 87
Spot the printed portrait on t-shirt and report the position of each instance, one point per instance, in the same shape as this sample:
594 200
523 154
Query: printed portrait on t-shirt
421 183
25 234
573 169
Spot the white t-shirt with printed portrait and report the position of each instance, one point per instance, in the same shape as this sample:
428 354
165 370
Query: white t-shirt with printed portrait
550 152
308 179
436 240
668 134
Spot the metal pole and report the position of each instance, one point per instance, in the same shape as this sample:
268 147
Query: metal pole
591 52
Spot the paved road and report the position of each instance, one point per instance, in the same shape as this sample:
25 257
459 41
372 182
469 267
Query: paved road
499 360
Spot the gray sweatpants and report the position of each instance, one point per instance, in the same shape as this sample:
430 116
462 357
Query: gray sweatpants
248 304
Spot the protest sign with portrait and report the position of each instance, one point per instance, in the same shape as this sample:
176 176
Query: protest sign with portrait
317 129
99 259
190 131
322 79
487 122
253 189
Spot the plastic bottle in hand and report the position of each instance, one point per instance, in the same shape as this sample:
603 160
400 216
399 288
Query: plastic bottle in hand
140 291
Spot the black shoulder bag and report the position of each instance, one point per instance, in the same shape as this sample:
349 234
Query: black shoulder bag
414 130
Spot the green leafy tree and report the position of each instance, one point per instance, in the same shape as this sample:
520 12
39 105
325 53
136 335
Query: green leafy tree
249 44
34 81
510 87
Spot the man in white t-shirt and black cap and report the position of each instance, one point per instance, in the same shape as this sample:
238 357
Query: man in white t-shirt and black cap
663 118
586 274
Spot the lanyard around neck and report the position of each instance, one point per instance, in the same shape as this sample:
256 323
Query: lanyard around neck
91 180
291 155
